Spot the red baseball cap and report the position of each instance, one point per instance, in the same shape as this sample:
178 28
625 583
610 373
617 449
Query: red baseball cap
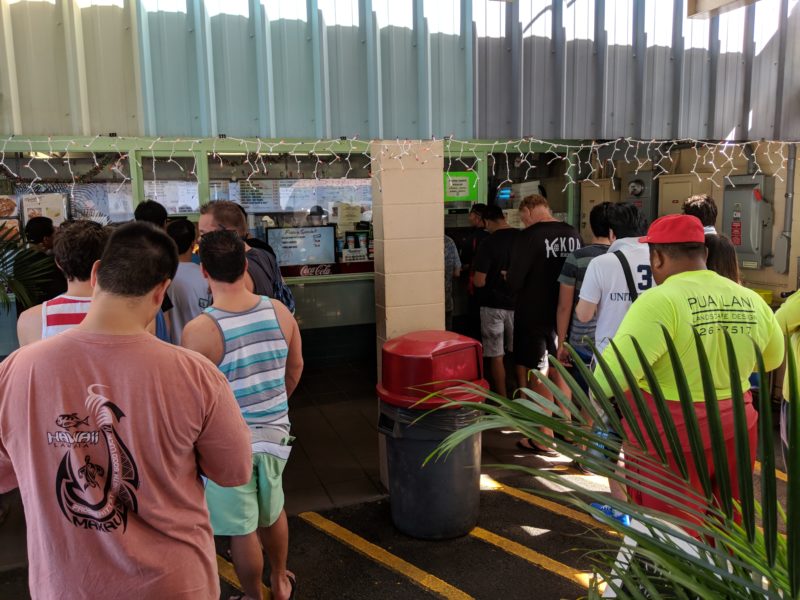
675 229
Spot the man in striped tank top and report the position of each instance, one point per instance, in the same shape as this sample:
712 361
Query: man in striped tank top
76 248
255 342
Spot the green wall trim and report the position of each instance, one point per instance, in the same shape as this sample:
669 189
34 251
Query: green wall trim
200 148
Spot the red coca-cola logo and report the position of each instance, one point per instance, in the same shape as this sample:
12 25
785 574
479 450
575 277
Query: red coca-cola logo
308 271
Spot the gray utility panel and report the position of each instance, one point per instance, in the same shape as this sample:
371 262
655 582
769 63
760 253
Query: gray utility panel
747 218
641 190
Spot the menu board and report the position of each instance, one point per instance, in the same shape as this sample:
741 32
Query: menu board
53 206
292 195
178 197
303 245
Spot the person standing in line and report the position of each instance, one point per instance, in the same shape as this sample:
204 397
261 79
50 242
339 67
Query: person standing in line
613 281
154 212
469 249
107 450
497 312
788 316
77 247
690 299
262 267
189 291
569 327
722 257
452 270
40 235
704 208
256 343
537 259
611 284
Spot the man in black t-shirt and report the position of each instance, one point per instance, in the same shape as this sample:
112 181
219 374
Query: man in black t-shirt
497 311
536 262
469 250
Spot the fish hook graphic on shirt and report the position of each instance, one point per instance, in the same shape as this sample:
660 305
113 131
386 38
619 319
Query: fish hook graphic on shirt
78 501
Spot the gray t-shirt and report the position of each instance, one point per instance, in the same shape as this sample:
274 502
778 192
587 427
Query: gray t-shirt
189 294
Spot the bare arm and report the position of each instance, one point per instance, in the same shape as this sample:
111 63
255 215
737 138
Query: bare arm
223 446
479 279
202 335
585 311
566 295
291 332
29 326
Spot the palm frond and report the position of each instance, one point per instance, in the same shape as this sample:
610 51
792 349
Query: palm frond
709 545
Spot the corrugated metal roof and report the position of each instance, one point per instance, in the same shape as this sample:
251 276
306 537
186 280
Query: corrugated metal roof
399 68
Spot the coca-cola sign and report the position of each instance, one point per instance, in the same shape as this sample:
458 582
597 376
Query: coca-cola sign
311 270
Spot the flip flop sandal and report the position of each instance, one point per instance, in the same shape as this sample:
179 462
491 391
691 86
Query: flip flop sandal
293 581
531 447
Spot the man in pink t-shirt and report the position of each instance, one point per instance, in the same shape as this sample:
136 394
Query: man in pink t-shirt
106 430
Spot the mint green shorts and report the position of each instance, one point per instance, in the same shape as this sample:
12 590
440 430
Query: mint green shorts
243 509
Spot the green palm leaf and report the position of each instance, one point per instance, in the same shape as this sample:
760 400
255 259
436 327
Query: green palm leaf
22 270
769 493
718 449
689 416
701 552
744 457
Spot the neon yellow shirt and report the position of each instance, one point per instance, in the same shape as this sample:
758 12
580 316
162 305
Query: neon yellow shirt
710 303
788 316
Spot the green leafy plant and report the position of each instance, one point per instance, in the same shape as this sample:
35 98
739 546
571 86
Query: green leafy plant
723 545
22 270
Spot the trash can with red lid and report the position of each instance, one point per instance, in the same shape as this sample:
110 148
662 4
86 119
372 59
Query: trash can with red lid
439 500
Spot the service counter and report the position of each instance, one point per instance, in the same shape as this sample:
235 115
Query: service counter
336 315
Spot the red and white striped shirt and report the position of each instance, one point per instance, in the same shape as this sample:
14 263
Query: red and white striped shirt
62 313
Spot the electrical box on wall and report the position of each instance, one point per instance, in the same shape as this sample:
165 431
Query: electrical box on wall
747 218
594 192
641 190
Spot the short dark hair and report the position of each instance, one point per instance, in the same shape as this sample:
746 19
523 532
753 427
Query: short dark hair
182 233
77 246
534 201
494 213
598 219
222 255
722 257
228 214
137 258
38 228
625 220
680 251
151 211
479 209
703 207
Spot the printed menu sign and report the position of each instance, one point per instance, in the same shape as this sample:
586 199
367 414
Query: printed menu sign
176 196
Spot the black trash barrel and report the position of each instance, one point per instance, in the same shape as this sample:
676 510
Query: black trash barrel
441 499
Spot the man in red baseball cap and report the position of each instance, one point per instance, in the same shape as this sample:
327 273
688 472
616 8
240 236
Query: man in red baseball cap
690 298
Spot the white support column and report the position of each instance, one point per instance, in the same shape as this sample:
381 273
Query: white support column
408 224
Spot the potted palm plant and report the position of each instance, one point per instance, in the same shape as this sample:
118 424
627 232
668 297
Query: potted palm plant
22 271
728 545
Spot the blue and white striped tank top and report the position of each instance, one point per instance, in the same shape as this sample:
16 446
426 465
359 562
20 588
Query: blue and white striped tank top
254 361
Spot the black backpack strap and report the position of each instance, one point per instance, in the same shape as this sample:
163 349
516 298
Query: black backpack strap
626 268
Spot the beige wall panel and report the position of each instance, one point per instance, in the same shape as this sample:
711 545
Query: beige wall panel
110 64
40 49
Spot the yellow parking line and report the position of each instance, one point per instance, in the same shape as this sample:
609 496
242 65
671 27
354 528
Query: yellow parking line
228 574
778 473
582 578
487 483
387 559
